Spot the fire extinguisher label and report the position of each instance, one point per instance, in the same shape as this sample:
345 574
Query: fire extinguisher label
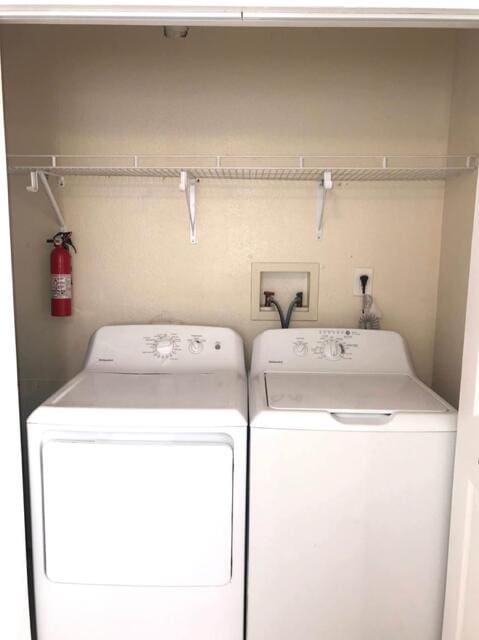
61 286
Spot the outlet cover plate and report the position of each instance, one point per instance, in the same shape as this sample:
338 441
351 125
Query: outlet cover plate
285 278
362 271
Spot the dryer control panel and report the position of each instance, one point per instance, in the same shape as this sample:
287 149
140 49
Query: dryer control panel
164 348
335 350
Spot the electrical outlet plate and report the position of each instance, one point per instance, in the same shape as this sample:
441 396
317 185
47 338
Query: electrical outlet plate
362 271
285 279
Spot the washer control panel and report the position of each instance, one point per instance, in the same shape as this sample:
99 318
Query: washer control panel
164 348
330 350
328 344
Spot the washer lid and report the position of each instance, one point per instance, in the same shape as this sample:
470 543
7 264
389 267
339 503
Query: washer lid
350 393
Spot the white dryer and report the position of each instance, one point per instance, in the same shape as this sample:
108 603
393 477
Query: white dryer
351 460
137 480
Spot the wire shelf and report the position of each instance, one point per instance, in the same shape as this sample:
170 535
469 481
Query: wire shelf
325 170
342 168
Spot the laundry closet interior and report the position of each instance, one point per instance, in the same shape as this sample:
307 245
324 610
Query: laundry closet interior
116 116
107 91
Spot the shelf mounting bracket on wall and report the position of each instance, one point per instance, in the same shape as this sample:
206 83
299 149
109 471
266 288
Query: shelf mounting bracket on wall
34 187
324 185
188 185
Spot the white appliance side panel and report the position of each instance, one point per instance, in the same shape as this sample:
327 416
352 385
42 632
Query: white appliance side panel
137 513
348 534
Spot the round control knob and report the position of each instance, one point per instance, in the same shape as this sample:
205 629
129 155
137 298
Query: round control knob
333 349
195 346
164 347
300 348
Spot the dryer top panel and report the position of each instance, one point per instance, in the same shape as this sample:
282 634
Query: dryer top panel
190 391
193 376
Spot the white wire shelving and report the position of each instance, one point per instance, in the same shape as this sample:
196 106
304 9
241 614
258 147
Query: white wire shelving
324 170
307 167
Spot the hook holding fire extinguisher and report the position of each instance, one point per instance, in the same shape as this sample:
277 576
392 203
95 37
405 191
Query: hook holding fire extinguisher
61 273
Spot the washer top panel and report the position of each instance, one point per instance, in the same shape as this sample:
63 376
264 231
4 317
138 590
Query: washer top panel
350 393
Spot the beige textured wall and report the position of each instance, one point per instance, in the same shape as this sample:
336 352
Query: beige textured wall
116 90
457 222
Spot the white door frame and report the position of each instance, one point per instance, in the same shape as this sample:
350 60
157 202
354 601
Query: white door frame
459 593
14 617
273 13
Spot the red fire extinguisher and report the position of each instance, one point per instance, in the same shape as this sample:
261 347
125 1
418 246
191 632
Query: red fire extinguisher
61 274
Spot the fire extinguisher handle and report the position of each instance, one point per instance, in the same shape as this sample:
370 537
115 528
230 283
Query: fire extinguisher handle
69 243
63 238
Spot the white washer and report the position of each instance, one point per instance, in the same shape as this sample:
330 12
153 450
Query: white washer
137 480
351 461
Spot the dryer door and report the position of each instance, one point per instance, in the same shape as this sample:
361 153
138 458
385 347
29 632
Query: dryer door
138 512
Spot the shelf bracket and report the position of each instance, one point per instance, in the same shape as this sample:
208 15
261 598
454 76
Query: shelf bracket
324 185
188 185
35 176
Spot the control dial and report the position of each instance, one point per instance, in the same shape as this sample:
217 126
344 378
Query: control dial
164 347
333 349
300 348
195 346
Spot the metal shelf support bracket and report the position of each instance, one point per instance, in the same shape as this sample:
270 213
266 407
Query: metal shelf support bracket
188 185
35 176
324 185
